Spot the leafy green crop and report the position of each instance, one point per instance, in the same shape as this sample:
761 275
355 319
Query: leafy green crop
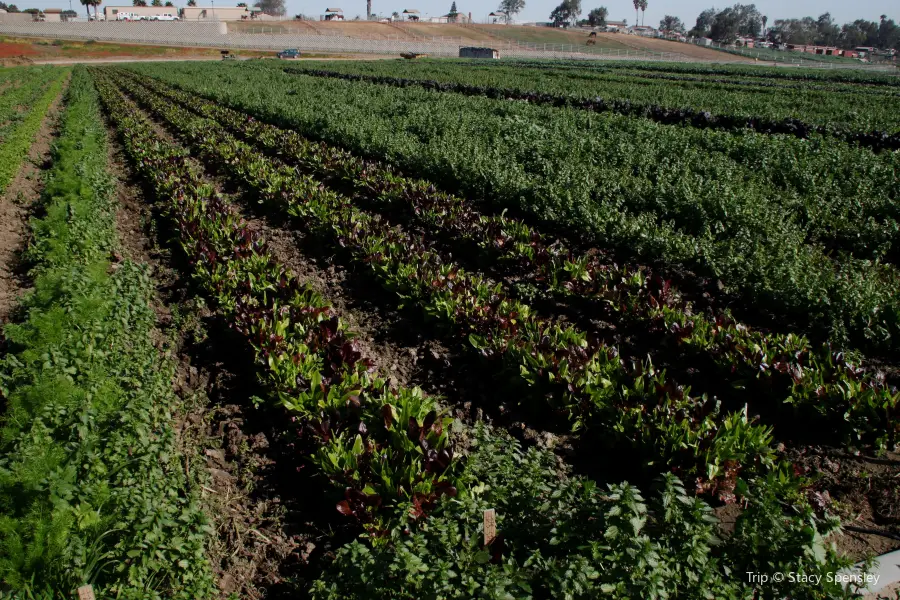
37 90
649 191
858 115
91 489
815 378
562 537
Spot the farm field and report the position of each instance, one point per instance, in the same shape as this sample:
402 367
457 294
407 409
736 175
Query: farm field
279 331
852 107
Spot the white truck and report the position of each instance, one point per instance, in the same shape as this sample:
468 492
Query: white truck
165 17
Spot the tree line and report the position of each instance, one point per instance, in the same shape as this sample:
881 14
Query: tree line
741 20
746 21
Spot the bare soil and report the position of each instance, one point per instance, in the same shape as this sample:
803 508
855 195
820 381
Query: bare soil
863 490
16 204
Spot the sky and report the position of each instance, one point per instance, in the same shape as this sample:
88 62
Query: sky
538 10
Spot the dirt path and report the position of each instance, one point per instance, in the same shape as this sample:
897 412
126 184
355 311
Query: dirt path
16 205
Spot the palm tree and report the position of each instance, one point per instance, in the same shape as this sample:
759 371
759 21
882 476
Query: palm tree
643 8
765 20
637 5
87 6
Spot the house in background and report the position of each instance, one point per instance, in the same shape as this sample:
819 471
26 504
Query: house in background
642 30
8 17
215 13
53 15
411 14
333 14
110 13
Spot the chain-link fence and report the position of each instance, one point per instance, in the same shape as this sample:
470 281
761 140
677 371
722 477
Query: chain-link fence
216 35
796 59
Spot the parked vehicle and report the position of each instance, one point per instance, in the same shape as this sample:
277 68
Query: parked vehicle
289 53
165 17
97 17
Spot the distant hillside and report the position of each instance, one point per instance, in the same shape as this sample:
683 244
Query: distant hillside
482 35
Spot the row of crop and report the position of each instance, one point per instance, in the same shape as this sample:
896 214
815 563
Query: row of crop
867 120
569 538
762 85
561 535
38 92
433 547
17 94
860 76
379 443
868 230
615 182
814 377
758 81
635 404
291 331
91 488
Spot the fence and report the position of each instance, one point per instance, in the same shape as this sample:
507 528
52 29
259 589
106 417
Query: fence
797 59
140 32
215 35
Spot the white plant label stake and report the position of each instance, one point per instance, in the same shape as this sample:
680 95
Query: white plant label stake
490 526
86 592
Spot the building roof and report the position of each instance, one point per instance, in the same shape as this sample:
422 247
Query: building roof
52 11
333 10
410 11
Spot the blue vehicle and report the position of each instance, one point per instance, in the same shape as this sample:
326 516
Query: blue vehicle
289 53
